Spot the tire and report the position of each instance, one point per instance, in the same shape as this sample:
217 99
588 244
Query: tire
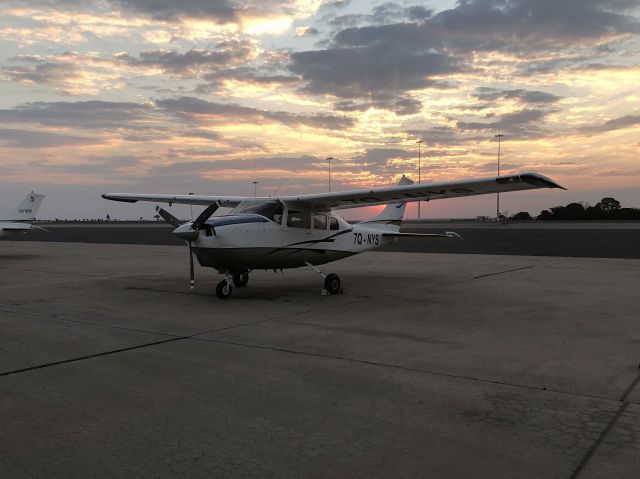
223 290
241 279
332 283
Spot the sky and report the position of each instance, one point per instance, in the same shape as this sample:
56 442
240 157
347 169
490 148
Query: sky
208 96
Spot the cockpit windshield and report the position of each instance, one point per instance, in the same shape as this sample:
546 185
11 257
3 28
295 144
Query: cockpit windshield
271 209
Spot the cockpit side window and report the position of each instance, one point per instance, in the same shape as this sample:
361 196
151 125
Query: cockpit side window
333 224
319 222
298 219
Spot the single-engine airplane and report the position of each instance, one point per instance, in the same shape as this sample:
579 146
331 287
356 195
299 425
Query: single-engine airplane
21 219
304 230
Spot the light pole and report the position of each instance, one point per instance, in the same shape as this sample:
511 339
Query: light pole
255 189
499 137
419 142
191 207
329 160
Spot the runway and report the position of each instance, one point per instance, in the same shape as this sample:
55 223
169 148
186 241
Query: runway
428 365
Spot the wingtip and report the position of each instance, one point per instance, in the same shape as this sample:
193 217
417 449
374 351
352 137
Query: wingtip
539 180
113 197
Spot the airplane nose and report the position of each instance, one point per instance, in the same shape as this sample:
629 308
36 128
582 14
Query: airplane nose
186 232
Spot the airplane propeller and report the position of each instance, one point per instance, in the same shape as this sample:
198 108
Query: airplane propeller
189 231
168 217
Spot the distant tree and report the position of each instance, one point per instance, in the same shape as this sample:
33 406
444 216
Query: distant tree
108 218
608 205
545 215
574 211
157 217
522 216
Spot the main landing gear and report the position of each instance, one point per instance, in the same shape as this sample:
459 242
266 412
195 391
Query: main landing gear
224 288
331 281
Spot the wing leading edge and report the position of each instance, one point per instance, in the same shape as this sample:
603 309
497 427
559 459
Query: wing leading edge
419 192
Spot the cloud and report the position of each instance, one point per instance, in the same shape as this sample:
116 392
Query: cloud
402 105
14 138
522 96
198 110
520 123
82 114
391 57
220 11
306 32
619 123
193 61
248 75
370 72
111 166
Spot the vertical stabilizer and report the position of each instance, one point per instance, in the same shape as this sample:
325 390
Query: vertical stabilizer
391 216
27 210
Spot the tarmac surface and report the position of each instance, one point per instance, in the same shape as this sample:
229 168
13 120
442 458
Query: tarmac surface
570 239
428 365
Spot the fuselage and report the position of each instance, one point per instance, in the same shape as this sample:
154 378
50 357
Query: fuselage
246 241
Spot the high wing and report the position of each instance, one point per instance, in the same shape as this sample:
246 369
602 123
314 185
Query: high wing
364 197
418 192
226 201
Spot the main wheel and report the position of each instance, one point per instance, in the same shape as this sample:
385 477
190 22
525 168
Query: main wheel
241 279
332 283
224 289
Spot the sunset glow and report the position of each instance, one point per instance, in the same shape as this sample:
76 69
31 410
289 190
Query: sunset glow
208 96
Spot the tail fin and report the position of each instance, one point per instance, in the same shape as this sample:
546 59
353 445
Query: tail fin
391 216
26 211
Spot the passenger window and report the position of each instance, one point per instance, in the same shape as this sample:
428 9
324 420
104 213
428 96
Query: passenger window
333 224
319 222
298 219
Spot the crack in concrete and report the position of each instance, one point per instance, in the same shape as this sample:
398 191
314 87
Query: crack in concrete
503 272
594 447
90 356
403 368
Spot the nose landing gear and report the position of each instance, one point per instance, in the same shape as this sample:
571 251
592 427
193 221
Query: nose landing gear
224 289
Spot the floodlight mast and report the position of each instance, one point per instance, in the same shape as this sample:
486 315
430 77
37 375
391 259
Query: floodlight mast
499 136
419 142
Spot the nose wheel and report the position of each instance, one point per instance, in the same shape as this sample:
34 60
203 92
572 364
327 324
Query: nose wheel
224 289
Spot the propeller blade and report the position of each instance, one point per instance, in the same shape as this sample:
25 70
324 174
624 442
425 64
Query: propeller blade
168 217
192 277
204 216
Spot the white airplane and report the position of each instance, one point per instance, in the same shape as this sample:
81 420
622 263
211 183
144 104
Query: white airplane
303 230
22 217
